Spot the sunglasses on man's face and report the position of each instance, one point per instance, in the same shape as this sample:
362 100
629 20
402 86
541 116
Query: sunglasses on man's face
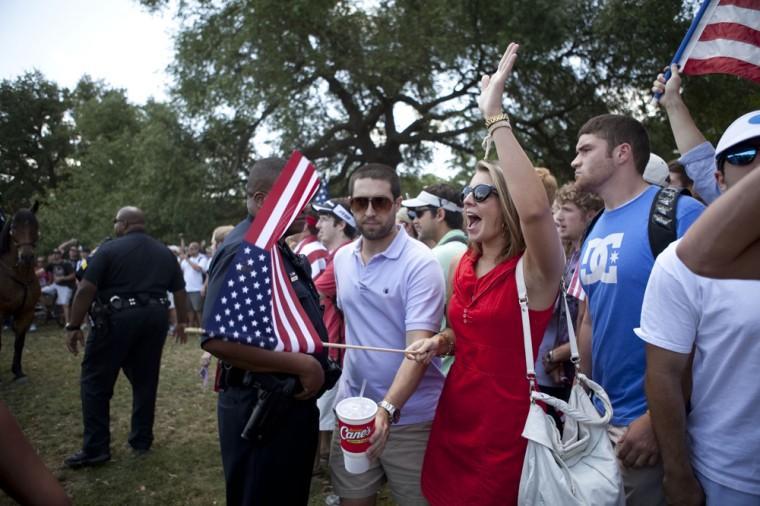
379 204
418 212
743 155
480 192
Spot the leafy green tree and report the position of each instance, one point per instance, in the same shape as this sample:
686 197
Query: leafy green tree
391 81
35 139
132 155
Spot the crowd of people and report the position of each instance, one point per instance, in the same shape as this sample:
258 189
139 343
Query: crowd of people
435 275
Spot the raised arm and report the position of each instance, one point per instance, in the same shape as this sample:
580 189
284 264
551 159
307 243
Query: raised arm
697 155
720 244
685 131
544 256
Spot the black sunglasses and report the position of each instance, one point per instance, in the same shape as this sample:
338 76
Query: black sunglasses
379 204
480 192
418 212
742 155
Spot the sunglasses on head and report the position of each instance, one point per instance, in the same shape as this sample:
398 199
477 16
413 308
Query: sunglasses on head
379 204
742 155
480 192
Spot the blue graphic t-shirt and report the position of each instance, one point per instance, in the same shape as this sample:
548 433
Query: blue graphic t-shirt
616 260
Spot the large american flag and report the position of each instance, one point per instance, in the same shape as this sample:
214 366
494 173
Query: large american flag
724 38
257 305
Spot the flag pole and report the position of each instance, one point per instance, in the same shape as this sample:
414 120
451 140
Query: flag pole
684 43
198 330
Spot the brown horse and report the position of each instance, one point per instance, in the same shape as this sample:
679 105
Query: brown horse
19 287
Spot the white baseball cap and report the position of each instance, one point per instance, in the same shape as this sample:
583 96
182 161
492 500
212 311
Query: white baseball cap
425 199
744 128
656 171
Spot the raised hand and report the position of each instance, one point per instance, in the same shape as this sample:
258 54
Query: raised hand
670 90
492 87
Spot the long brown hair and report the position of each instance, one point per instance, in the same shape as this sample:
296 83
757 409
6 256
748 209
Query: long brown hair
510 219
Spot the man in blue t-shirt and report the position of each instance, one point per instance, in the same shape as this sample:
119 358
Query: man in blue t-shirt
616 259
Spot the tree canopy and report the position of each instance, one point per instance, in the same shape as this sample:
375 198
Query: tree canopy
347 82
392 81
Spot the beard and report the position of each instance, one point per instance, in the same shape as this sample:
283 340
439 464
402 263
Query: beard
378 230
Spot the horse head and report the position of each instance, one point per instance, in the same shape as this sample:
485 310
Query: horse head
21 234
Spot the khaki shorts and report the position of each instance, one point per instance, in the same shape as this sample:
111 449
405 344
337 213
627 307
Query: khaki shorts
400 465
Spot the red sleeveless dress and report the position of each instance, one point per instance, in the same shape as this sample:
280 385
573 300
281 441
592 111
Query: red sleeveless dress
475 452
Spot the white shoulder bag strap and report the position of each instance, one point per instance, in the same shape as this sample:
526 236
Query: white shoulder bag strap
522 294
522 297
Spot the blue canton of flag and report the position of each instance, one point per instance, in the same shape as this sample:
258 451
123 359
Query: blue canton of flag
243 312
323 194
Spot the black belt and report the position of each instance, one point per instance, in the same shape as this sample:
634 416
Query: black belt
118 302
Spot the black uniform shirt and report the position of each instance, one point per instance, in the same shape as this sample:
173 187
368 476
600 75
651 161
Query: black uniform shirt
131 264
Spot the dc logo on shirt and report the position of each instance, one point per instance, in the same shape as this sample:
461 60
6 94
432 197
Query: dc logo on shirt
599 261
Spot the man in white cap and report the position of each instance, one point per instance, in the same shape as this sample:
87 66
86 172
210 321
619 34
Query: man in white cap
708 330
438 219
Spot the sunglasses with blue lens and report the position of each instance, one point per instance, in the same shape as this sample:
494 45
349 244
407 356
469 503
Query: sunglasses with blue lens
480 192
742 155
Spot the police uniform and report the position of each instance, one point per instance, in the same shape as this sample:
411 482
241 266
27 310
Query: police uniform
277 470
130 320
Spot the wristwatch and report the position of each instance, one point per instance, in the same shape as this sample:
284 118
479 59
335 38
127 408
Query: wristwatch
393 412
70 328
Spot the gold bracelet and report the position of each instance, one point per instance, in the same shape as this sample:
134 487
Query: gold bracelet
502 123
490 120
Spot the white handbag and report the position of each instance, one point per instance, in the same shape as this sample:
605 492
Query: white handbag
580 467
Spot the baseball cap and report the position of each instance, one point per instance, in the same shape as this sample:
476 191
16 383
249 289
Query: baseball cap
330 207
428 199
656 171
744 128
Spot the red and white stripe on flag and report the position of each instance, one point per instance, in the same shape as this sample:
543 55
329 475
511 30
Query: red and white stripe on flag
296 185
574 288
726 41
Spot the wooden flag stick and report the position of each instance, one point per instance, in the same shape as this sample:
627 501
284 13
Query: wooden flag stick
196 330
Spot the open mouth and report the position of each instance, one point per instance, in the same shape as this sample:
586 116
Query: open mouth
473 221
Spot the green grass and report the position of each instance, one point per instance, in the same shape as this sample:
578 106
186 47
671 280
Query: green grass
184 466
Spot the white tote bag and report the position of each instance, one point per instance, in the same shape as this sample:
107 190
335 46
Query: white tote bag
579 467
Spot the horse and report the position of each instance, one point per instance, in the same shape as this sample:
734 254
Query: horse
19 286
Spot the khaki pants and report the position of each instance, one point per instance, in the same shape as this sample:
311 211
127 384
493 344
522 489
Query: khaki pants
400 465
643 486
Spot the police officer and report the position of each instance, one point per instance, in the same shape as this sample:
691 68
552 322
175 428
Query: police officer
125 287
277 469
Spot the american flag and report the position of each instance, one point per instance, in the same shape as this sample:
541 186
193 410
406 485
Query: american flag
257 305
322 195
574 288
724 38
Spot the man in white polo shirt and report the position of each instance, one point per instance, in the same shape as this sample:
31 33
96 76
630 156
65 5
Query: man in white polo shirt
390 288
710 453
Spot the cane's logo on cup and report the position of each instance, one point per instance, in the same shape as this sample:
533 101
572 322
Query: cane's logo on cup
356 423
355 438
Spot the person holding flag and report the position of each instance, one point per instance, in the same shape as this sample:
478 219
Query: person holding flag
261 305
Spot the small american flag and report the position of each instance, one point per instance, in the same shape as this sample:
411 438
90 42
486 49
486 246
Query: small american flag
574 288
257 305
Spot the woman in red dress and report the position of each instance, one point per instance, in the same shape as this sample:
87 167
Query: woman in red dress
475 452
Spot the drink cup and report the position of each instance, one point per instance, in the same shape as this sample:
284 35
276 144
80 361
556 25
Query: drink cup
356 423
